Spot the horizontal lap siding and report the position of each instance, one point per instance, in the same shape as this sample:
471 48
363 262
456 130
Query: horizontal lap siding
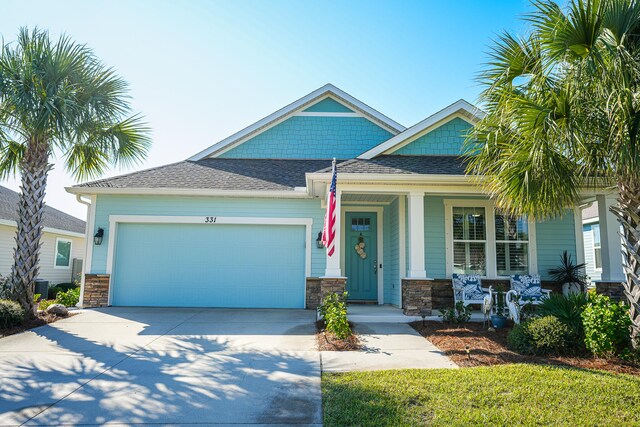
434 236
553 237
47 255
206 206
391 265
589 255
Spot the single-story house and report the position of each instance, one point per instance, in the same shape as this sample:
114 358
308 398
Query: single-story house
237 224
63 241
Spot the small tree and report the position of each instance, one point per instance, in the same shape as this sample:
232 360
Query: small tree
57 99
563 113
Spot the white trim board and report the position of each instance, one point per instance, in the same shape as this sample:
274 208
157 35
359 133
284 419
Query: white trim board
114 220
379 211
279 116
461 107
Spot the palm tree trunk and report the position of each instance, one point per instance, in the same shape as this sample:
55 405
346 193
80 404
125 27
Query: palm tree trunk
628 214
34 170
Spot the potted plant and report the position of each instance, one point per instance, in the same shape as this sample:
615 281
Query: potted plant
499 320
571 276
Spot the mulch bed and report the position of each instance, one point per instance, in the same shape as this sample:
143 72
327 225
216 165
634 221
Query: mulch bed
42 319
327 341
487 348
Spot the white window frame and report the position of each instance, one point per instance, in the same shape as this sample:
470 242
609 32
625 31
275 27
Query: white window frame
490 217
485 241
593 247
55 254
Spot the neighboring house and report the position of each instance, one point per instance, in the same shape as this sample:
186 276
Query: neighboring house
237 224
63 240
592 242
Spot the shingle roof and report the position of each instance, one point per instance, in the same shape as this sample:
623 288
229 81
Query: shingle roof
53 218
411 165
219 174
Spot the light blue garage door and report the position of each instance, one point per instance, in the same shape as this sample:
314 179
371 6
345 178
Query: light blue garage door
193 265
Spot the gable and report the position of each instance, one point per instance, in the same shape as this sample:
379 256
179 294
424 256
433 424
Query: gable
312 137
446 139
328 105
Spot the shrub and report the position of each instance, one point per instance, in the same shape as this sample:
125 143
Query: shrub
60 287
69 298
11 314
5 288
519 339
53 292
45 303
567 309
334 311
458 314
549 335
542 336
606 326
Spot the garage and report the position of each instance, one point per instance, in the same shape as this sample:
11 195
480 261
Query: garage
209 265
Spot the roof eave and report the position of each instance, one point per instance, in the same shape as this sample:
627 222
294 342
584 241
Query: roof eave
86 191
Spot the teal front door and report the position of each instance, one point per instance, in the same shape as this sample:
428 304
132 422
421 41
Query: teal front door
361 255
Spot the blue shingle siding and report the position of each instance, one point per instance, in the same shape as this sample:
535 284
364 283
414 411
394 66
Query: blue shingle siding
206 206
328 105
306 137
553 237
447 139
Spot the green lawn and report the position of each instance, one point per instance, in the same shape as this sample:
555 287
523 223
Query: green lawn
498 395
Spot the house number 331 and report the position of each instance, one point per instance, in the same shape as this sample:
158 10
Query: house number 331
210 219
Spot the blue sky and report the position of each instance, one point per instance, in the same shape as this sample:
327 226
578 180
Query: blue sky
202 70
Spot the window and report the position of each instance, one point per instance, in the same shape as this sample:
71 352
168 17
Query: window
469 240
597 246
360 224
481 240
512 245
63 253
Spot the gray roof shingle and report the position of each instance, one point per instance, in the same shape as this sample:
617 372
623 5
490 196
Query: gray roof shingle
219 174
53 218
410 165
271 174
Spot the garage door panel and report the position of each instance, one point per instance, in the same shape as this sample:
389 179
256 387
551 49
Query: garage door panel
209 265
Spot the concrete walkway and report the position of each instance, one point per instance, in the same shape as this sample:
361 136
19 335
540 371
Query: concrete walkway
386 346
164 366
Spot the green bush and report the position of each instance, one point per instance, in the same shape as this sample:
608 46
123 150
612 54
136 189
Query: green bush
543 336
60 287
549 335
45 303
519 339
568 309
606 326
69 298
334 311
53 292
458 314
11 314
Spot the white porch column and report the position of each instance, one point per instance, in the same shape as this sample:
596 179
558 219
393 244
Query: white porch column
610 239
333 261
416 236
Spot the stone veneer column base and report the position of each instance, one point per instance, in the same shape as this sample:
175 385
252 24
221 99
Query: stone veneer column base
417 296
319 287
96 290
614 290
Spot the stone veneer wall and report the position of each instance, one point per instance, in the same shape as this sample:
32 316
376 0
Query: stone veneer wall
96 290
438 294
417 297
614 290
319 287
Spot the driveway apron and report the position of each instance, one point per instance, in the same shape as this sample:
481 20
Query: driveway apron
164 366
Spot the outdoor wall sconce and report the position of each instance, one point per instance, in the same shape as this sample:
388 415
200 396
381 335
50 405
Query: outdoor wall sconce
319 243
97 238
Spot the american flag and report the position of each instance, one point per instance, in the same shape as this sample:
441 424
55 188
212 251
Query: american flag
329 229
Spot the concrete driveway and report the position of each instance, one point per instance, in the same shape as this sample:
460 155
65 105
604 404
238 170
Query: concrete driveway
164 366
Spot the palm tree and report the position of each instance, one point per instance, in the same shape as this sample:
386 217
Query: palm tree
57 100
563 114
